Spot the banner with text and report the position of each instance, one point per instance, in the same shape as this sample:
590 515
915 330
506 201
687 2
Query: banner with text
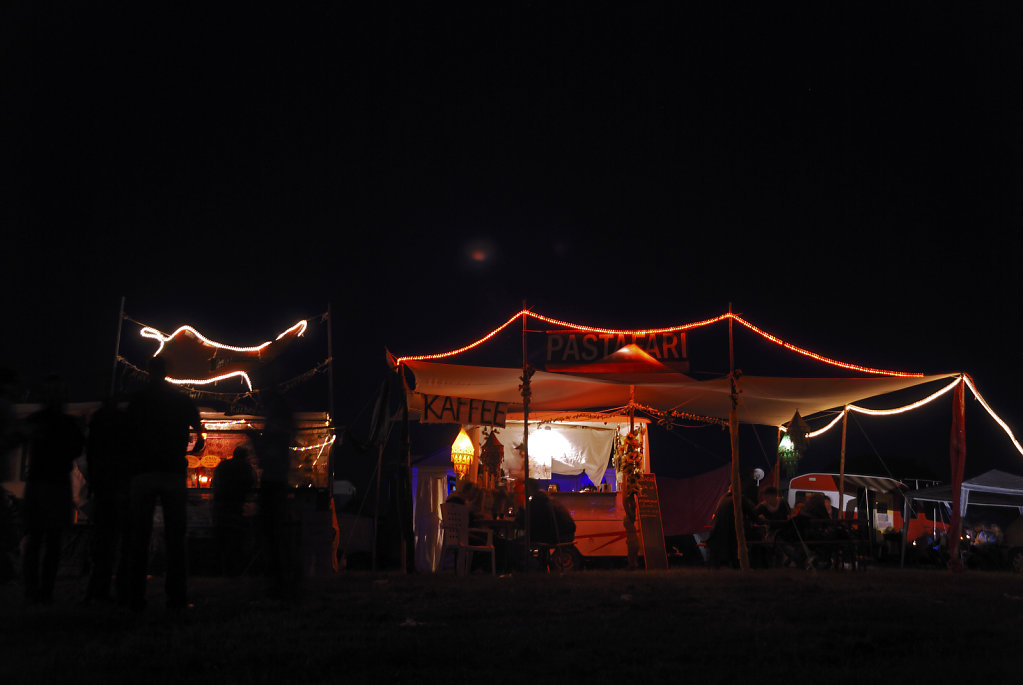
576 350
466 411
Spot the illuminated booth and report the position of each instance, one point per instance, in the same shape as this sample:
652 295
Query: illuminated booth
608 381
204 368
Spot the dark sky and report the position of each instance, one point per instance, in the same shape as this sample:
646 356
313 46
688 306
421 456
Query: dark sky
848 178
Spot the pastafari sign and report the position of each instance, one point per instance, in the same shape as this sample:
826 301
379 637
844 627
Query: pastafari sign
466 411
568 349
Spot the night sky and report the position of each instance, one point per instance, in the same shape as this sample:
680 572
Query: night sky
848 178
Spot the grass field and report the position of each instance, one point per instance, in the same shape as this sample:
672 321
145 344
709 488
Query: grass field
685 625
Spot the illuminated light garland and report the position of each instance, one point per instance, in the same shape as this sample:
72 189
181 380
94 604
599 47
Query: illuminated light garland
326 443
998 420
154 334
676 414
817 357
221 425
614 331
916 405
880 412
908 407
206 381
452 353
654 331
820 431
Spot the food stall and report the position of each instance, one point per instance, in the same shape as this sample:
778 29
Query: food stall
308 475
595 372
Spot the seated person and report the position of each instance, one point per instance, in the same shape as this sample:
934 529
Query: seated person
772 509
549 521
722 543
770 515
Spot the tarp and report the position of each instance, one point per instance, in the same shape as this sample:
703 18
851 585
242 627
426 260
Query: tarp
993 488
688 504
765 401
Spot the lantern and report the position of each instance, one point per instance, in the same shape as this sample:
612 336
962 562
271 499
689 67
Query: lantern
462 453
787 455
491 456
793 444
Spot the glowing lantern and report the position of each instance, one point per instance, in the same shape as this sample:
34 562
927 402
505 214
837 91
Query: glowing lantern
462 453
491 456
787 455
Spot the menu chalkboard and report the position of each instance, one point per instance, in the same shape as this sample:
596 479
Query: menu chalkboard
649 515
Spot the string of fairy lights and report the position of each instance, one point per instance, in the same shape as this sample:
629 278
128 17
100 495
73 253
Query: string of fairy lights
672 415
655 331
298 329
963 378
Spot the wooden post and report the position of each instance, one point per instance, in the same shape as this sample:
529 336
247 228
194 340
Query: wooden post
525 440
733 429
841 464
117 350
330 397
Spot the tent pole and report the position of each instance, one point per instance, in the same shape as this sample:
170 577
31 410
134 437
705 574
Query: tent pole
330 395
841 464
733 429
408 522
117 350
525 441
957 459
905 531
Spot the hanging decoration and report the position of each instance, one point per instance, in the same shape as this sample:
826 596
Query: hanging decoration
462 453
629 462
491 457
793 444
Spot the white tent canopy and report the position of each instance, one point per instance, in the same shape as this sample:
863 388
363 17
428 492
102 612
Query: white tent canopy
993 489
765 400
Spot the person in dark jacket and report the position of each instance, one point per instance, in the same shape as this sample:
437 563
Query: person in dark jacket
233 480
273 452
160 418
722 543
105 454
54 441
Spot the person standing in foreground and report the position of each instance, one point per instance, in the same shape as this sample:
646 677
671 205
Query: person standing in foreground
105 454
233 480
273 451
55 441
160 418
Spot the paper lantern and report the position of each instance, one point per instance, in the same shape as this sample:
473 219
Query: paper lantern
462 453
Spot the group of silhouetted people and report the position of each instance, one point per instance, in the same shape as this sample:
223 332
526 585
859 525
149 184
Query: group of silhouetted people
781 536
136 458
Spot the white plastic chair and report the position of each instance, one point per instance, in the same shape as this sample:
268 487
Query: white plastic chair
455 523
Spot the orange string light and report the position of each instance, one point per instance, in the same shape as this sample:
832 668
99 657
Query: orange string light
813 355
654 331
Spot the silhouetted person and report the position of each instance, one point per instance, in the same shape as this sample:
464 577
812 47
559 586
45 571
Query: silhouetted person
771 515
550 522
106 453
722 543
160 418
55 441
10 437
273 452
233 480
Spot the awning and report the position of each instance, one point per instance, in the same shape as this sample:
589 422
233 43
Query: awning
765 400
993 488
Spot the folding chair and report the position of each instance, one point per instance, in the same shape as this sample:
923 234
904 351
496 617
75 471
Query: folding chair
455 524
